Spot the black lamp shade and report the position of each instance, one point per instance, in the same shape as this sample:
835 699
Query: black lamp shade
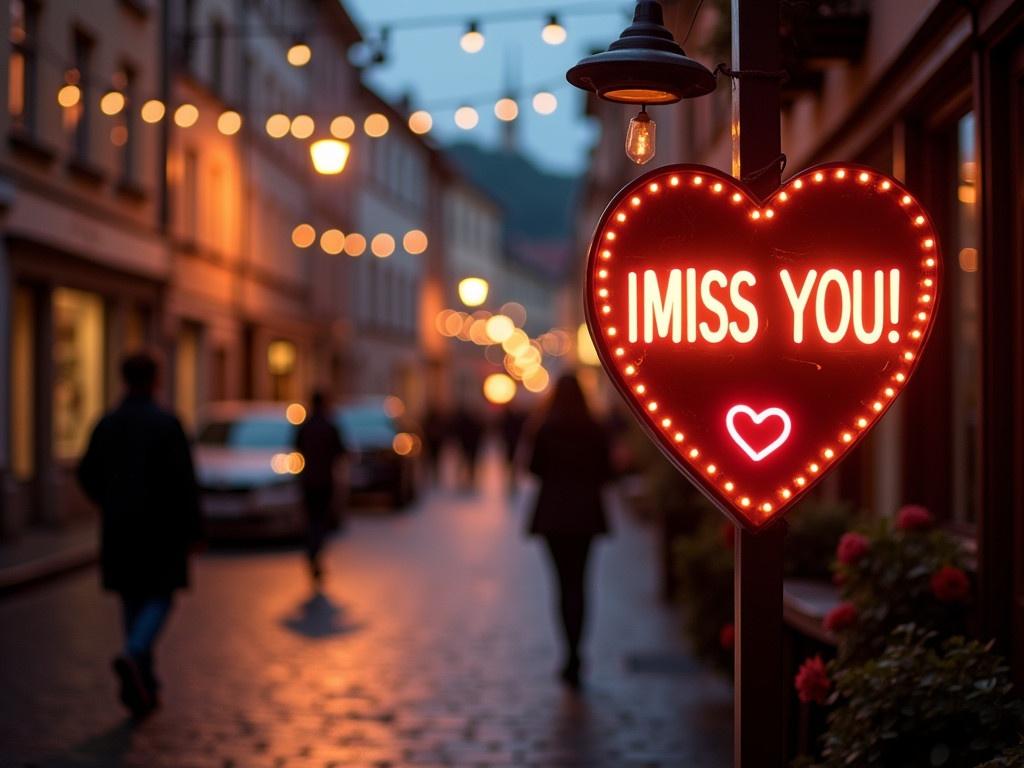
644 66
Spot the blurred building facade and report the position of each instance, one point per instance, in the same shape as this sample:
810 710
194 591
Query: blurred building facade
85 265
931 92
180 220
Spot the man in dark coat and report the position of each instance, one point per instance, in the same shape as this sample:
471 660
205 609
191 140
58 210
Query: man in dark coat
138 470
321 446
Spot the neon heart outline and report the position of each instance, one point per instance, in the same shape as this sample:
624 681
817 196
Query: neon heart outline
758 418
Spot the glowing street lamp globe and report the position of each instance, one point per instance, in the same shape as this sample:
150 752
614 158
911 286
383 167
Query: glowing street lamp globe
329 156
473 291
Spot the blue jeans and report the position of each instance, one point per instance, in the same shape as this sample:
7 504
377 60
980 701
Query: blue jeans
144 618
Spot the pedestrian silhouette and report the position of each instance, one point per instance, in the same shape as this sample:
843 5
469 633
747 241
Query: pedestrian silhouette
512 423
570 457
435 434
469 430
138 470
320 444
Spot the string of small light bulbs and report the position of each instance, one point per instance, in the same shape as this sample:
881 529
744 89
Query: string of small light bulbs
279 125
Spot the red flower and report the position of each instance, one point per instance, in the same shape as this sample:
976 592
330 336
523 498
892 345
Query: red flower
839 579
841 617
727 637
728 535
812 683
852 547
914 518
950 585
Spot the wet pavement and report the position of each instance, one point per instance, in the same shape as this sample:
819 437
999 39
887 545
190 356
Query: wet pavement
431 645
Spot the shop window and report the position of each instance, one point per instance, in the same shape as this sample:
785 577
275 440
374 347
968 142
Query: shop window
21 64
23 383
122 133
963 295
281 361
187 365
79 354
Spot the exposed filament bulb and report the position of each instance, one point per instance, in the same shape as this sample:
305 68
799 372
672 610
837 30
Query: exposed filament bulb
641 138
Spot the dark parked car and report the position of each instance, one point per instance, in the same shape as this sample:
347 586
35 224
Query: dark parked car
382 449
247 466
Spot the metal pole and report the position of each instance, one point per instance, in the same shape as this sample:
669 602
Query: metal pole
759 738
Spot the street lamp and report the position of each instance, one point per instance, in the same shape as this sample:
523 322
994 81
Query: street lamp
644 66
329 156
473 291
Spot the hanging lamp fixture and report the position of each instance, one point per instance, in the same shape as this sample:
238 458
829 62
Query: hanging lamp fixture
644 66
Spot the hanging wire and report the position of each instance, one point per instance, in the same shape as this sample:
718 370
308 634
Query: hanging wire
693 20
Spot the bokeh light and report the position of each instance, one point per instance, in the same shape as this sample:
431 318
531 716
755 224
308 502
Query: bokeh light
332 241
303 236
355 244
420 122
382 245
499 328
376 125
472 40
329 156
69 95
186 116
153 111
299 55
303 126
112 102
544 103
229 122
499 388
278 125
295 413
342 127
473 291
415 242
466 118
506 109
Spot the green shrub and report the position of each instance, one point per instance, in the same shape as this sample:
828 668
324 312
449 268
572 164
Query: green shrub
924 701
891 584
814 530
704 563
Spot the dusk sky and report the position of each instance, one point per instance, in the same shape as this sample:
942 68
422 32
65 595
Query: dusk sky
428 64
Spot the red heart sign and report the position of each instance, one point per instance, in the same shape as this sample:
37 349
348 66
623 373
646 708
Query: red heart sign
758 342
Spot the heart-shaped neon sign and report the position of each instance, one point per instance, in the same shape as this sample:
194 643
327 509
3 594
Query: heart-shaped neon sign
759 341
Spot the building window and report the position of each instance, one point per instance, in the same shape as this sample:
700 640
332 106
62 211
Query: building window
122 134
21 64
79 354
187 374
188 36
964 298
217 57
83 47
281 362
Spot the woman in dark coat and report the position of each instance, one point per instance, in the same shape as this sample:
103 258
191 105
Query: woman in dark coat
571 460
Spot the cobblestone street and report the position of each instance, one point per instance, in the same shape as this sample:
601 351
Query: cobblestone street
432 645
